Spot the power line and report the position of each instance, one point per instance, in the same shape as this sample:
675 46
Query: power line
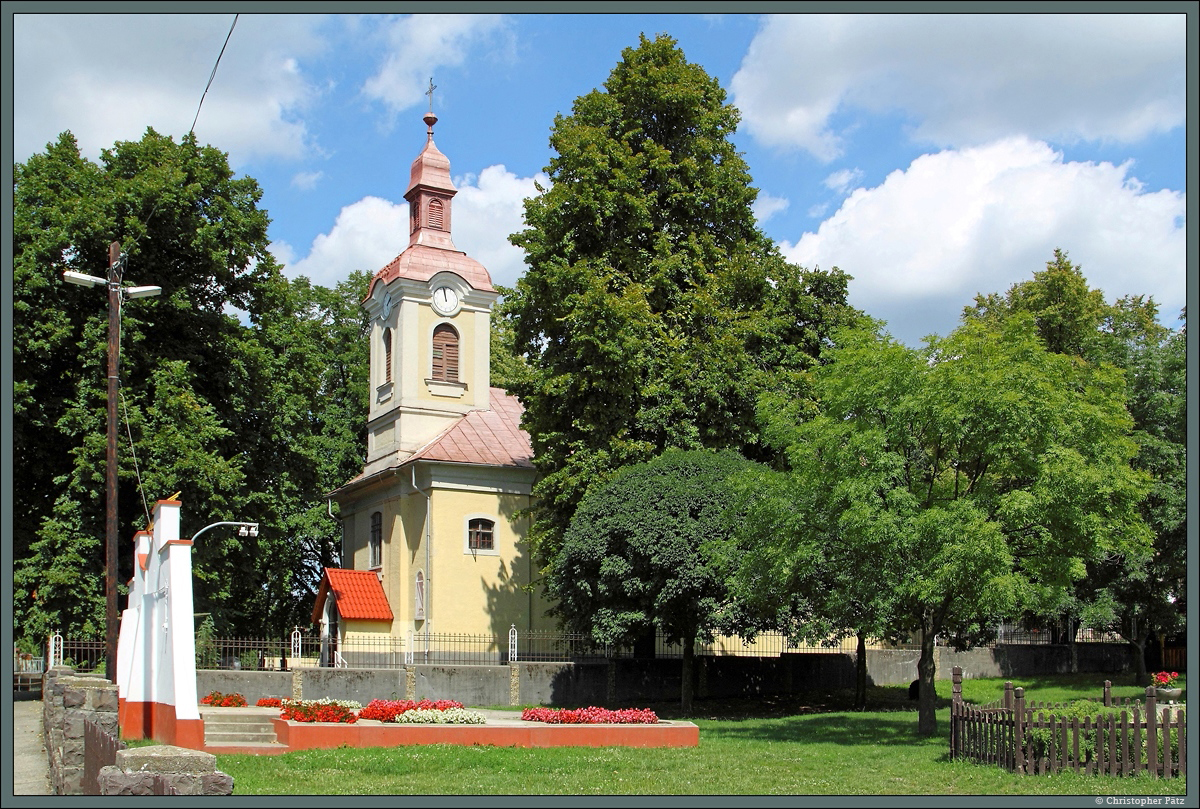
213 75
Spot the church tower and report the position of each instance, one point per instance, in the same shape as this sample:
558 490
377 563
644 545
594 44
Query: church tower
433 529
430 311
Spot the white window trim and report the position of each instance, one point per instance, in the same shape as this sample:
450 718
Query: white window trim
467 549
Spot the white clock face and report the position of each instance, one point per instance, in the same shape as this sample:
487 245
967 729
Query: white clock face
387 304
445 300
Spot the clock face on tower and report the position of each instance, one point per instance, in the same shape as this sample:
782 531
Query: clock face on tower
445 300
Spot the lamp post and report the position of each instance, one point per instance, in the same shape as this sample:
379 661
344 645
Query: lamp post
245 529
116 266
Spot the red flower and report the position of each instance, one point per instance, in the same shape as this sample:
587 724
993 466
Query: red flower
590 716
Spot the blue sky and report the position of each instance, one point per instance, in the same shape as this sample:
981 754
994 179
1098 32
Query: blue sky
932 157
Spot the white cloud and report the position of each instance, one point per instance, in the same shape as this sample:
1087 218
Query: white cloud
841 181
964 79
371 232
106 77
367 235
486 212
957 223
417 46
766 206
307 180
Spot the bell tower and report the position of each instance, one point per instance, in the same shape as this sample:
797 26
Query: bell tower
430 312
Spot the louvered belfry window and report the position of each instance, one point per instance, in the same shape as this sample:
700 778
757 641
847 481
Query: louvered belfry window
445 353
436 218
387 355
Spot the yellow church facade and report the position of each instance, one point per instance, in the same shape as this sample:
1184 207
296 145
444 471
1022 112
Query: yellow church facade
433 532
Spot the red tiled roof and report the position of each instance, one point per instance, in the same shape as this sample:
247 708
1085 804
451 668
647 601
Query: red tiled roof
358 594
488 437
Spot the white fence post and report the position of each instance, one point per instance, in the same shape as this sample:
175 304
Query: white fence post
297 646
408 653
55 648
512 643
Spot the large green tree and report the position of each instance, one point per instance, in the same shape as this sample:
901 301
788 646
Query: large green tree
653 310
973 477
640 556
1133 595
237 386
793 568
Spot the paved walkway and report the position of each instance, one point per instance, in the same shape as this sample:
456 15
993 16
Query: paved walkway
31 767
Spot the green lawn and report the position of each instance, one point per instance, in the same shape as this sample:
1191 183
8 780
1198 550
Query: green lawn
803 745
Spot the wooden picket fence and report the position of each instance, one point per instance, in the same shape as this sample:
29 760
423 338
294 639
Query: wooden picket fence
99 750
1037 738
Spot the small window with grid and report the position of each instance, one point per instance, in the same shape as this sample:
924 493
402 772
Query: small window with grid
481 535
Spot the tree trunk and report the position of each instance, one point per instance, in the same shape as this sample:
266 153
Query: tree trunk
689 655
926 696
860 684
1138 648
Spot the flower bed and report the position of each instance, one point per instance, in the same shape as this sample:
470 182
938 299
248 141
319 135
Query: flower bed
387 710
321 710
270 702
219 700
590 716
448 716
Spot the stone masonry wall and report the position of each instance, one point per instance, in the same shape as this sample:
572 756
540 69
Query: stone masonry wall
69 700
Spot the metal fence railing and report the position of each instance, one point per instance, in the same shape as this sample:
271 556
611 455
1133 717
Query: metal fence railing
81 654
365 650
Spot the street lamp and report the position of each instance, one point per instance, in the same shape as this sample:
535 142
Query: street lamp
245 529
116 266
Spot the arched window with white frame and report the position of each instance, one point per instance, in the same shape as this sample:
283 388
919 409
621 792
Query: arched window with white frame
445 353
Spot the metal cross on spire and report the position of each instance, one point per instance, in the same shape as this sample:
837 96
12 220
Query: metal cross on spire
429 93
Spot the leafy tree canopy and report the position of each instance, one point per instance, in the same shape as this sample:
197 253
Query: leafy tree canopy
241 390
653 310
969 478
1136 596
638 557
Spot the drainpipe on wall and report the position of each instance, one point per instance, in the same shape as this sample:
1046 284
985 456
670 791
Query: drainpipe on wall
428 554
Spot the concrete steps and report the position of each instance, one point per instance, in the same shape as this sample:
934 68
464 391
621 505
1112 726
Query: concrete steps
240 727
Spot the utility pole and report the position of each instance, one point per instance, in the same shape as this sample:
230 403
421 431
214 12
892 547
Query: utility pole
116 268
116 294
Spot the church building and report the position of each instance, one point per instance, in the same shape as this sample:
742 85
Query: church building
432 540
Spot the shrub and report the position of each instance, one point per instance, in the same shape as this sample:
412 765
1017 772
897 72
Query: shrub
206 647
590 716
1037 740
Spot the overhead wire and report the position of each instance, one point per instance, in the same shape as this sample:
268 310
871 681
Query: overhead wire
214 73
154 210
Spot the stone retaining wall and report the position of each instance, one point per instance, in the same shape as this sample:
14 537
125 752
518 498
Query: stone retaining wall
164 769
70 700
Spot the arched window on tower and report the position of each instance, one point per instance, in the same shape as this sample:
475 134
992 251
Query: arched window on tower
436 215
445 353
387 355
